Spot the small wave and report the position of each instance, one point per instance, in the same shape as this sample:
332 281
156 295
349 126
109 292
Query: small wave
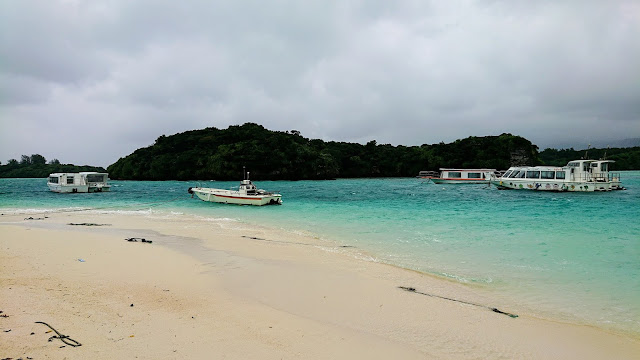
465 280
123 212
32 211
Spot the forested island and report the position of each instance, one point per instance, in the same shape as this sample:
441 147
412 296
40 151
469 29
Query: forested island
220 154
36 166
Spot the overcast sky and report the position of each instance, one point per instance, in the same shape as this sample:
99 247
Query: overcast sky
88 82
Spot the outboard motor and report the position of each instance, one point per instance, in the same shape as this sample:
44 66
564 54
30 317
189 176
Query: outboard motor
190 191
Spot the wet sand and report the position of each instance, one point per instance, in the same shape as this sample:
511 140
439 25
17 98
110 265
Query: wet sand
216 289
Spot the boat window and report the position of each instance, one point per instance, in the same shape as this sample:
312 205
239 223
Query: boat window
533 174
507 173
560 175
515 174
604 167
69 180
95 178
573 164
455 174
521 174
547 174
475 175
53 179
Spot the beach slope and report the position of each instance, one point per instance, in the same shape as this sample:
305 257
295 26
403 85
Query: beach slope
207 289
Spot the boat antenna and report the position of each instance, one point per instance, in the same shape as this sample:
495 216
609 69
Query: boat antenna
586 152
604 157
244 173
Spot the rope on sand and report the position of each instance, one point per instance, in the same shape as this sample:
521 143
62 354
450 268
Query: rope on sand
413 290
64 338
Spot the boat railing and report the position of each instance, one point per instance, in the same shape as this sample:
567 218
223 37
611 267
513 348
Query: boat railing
614 177
428 174
597 177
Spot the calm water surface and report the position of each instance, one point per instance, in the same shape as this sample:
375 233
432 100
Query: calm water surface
572 256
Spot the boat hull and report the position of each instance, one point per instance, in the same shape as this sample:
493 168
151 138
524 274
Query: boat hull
68 188
459 181
77 188
560 186
233 197
105 188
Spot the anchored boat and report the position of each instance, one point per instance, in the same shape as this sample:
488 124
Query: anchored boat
247 194
83 182
458 176
577 175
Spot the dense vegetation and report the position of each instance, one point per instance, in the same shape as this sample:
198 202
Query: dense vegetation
220 154
36 166
625 158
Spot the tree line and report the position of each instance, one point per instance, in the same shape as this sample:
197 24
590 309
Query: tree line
625 158
220 154
36 166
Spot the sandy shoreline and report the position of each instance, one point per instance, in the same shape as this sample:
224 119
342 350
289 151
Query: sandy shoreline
205 290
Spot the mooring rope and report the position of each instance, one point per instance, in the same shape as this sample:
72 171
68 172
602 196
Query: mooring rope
413 290
64 338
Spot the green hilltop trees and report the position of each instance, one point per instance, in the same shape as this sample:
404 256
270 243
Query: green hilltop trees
213 153
35 166
220 154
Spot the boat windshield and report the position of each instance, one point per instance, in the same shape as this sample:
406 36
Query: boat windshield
95 178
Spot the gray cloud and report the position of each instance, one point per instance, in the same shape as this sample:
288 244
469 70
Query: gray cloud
113 76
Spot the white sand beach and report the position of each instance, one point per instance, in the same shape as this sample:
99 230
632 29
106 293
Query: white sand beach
213 290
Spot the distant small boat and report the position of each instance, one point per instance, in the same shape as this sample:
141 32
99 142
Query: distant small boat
577 175
247 194
458 176
83 182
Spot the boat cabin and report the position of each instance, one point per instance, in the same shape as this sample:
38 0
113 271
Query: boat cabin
82 182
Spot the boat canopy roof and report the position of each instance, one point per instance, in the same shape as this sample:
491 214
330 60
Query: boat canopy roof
79 173
452 169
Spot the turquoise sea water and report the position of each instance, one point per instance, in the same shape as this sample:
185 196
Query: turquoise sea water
569 256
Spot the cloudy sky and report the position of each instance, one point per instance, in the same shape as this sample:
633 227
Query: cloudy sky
88 82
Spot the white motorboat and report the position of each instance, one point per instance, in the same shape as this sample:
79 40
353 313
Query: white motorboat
247 194
83 182
577 175
458 176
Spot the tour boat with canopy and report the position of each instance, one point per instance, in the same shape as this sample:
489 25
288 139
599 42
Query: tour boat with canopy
577 175
83 182
458 176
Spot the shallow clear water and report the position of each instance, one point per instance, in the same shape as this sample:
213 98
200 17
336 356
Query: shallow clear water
572 256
